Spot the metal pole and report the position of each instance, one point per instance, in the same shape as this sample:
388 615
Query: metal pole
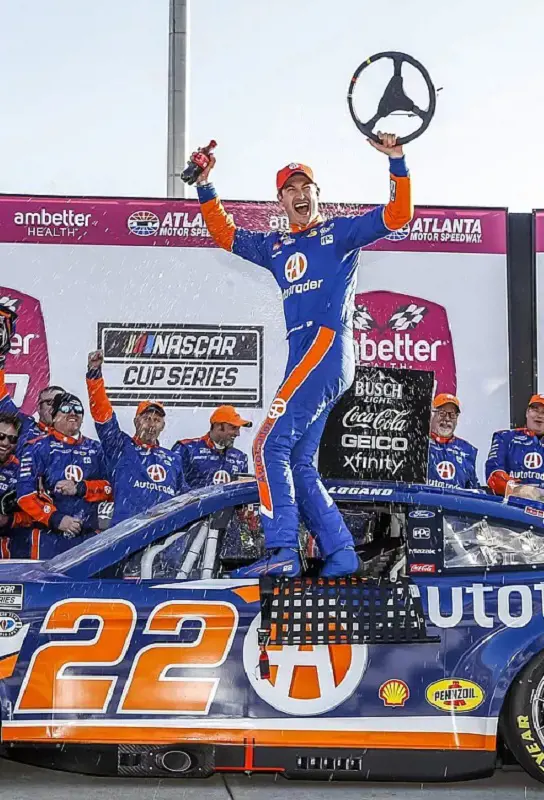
178 57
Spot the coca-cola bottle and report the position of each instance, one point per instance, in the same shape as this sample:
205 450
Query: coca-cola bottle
198 163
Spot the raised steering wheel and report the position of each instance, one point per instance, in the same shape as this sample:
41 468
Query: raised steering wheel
394 97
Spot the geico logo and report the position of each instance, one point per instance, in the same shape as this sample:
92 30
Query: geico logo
156 472
20 345
374 442
532 461
67 218
402 348
73 473
277 408
300 288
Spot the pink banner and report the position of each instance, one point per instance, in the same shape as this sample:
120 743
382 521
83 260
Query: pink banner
171 223
539 231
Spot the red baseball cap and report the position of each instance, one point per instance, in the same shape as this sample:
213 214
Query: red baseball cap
291 169
231 416
145 405
537 398
444 398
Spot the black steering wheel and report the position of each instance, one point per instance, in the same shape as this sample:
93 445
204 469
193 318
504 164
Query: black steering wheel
394 97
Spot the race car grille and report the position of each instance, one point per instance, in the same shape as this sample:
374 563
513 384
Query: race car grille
341 611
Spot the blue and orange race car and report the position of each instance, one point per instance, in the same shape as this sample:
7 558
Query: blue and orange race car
136 654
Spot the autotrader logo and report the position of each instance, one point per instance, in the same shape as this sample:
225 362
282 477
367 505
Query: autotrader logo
305 679
143 223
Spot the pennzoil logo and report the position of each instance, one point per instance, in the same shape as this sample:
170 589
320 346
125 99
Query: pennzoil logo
455 694
394 693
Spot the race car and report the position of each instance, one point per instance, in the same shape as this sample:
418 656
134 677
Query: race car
136 654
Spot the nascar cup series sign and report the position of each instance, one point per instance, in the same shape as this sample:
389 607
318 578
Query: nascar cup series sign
380 428
182 365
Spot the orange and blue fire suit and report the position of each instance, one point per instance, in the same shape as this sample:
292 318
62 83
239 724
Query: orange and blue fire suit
316 270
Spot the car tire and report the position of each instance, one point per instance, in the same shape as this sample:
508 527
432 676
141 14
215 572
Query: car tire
522 717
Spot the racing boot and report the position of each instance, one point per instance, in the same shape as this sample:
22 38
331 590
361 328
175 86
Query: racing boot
284 561
341 563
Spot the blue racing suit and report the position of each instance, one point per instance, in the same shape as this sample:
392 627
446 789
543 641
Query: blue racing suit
142 475
515 455
46 461
452 463
205 464
315 269
30 429
18 520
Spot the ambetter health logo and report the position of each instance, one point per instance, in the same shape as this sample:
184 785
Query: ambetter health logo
400 330
27 364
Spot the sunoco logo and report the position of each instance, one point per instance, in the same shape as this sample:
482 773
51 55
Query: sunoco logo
173 223
203 365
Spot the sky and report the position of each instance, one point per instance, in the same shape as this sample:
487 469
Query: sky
83 96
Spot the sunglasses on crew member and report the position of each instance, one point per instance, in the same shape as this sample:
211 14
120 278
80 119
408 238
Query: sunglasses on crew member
11 437
75 408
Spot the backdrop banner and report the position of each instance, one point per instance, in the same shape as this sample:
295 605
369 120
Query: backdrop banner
181 321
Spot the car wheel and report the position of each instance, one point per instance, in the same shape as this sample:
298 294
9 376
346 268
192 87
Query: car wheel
523 718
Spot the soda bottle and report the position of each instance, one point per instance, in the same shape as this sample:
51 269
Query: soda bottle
198 163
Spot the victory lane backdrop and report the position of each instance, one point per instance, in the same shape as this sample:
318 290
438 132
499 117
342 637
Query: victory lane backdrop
379 429
183 321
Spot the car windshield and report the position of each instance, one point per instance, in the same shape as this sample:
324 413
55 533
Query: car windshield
123 530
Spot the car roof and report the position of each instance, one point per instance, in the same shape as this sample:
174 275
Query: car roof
110 546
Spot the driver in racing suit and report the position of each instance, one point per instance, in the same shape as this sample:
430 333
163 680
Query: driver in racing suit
315 265
516 457
452 461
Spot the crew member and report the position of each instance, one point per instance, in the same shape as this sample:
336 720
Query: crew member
142 472
11 518
62 479
212 458
452 461
315 265
516 456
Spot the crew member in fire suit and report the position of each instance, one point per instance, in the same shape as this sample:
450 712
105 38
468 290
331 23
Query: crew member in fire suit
516 458
30 428
212 458
11 518
315 265
62 479
452 461
142 472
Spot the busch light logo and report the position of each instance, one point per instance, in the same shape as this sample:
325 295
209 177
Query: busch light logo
399 330
27 363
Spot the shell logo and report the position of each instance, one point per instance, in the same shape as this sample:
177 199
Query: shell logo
394 693
455 694
305 679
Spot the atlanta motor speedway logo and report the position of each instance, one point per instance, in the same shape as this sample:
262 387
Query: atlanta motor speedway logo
440 229
173 223
182 364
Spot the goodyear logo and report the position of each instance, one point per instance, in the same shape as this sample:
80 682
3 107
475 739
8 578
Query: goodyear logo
455 694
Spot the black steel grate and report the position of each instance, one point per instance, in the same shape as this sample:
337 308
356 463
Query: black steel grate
341 611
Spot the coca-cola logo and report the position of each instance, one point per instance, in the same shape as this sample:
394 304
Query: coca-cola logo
387 419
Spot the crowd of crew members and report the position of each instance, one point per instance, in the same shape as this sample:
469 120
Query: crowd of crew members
59 487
